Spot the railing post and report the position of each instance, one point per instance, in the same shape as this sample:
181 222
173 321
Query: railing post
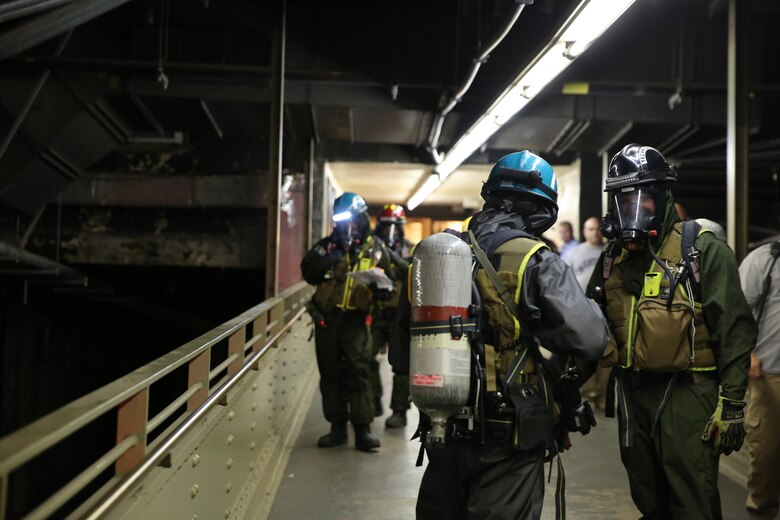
275 319
259 326
199 373
131 420
236 343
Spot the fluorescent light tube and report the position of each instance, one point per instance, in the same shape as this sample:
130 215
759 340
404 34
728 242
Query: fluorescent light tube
430 185
587 23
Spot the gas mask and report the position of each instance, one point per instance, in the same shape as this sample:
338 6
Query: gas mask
391 233
349 232
637 213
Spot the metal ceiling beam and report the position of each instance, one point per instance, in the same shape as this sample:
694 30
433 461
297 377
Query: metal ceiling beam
211 117
11 253
30 99
147 114
220 70
50 24
680 136
579 129
19 8
559 136
615 138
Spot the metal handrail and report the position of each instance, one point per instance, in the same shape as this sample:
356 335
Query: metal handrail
154 458
56 501
168 411
25 444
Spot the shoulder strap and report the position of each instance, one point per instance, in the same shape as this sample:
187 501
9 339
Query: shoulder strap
775 252
690 231
518 362
502 289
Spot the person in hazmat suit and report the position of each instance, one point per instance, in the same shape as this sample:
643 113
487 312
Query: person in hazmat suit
525 294
681 337
341 310
390 229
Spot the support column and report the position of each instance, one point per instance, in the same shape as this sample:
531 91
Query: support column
591 188
275 157
737 173
310 174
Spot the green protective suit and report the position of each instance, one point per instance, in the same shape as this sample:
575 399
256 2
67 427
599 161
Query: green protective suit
672 472
342 333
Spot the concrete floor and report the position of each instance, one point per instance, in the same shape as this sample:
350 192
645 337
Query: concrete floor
345 484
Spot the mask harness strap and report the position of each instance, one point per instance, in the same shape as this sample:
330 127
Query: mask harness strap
518 362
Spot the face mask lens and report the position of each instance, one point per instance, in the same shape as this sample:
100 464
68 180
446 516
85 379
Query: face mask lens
635 209
388 233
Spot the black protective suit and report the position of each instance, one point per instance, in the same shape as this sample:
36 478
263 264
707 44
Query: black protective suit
469 480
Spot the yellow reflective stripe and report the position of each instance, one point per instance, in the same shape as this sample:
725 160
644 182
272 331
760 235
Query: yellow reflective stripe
622 394
520 272
362 264
702 369
631 332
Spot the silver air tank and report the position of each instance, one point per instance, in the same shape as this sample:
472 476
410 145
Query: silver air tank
440 364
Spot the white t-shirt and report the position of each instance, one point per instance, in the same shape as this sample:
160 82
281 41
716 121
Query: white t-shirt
582 259
753 274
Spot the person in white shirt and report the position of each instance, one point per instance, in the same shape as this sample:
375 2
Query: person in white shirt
582 257
760 277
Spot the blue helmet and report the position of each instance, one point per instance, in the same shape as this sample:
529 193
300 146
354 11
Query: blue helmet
348 206
522 175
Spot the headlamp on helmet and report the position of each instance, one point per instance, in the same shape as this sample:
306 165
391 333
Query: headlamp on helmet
350 219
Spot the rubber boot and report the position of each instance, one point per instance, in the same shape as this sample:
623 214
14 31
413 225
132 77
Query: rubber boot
336 437
363 439
397 420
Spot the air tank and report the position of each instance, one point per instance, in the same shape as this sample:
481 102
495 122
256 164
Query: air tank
440 353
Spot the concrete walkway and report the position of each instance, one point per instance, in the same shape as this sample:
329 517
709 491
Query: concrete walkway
345 484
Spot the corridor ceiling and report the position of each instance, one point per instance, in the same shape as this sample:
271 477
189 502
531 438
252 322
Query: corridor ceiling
152 88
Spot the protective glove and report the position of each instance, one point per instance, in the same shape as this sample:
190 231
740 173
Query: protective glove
726 427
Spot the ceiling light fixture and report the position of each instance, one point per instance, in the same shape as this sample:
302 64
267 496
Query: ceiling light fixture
583 27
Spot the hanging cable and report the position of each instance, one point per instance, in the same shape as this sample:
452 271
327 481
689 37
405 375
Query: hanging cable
479 60
162 54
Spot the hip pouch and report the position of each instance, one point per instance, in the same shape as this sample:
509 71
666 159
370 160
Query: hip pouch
533 418
663 340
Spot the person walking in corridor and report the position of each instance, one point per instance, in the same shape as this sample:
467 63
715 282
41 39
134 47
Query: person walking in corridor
341 310
492 466
682 334
390 229
760 273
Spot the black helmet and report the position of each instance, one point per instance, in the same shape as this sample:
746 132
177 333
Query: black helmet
636 165
637 181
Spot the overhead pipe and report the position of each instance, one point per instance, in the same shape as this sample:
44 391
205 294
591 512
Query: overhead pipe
479 60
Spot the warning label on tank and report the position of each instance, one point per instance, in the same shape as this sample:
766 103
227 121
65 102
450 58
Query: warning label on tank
427 380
